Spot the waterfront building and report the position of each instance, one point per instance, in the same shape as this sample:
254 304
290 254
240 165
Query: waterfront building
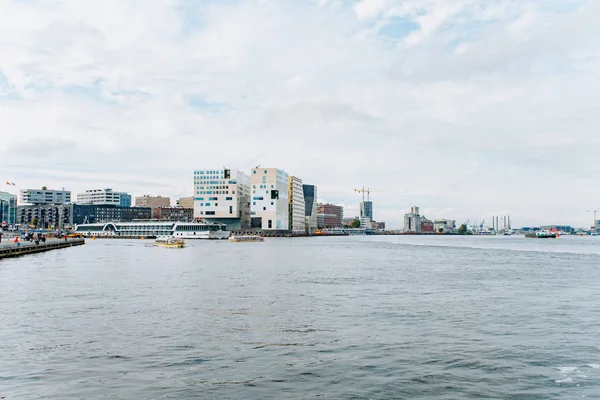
365 222
8 208
94 213
270 199
45 216
175 214
330 215
152 201
297 206
104 197
416 223
380 226
366 209
185 202
222 196
310 206
446 225
44 196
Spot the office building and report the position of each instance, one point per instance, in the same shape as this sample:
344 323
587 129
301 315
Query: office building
329 216
297 207
8 208
185 202
44 196
173 214
45 216
310 207
222 196
366 209
152 201
94 213
104 197
270 199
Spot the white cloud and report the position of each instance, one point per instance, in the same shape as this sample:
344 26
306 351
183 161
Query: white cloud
477 106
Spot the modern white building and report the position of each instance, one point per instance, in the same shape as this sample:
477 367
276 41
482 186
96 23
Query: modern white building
44 196
270 199
104 197
297 220
222 196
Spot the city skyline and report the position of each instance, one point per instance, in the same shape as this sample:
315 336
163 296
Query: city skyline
466 109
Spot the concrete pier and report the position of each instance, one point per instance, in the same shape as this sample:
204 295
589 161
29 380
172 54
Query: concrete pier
11 249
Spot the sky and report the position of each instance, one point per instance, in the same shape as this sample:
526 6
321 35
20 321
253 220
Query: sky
466 108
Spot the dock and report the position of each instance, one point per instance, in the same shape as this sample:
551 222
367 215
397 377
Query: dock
11 249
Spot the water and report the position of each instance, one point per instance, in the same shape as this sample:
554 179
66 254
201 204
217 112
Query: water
340 318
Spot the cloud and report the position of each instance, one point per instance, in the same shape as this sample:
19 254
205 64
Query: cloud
463 107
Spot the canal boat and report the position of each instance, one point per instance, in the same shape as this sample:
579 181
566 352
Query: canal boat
172 243
246 238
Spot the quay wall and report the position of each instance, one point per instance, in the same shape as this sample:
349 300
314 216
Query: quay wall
10 249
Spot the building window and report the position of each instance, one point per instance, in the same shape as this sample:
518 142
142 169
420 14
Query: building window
270 224
264 208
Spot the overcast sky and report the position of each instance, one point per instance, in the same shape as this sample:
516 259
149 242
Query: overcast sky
466 108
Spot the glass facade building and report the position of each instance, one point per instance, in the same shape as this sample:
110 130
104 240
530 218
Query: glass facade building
90 214
8 208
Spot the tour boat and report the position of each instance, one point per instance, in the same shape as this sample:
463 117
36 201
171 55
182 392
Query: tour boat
246 238
171 242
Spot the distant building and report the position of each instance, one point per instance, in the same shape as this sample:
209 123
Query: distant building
152 201
347 221
8 208
45 216
330 216
185 202
94 213
381 226
366 209
222 196
173 214
365 222
104 197
446 225
416 223
44 196
310 206
270 199
297 209
560 228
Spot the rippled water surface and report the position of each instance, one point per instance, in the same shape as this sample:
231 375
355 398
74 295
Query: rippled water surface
341 318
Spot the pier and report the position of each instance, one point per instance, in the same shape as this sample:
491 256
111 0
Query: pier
11 249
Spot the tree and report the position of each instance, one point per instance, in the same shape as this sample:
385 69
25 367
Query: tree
441 230
35 222
462 230
356 223
44 187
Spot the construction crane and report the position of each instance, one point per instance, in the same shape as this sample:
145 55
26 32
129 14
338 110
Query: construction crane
595 219
363 191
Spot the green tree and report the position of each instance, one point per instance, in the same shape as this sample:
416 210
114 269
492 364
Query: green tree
441 230
35 222
356 223
462 230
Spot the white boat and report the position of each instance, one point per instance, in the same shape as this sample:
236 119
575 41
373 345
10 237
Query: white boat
145 229
246 238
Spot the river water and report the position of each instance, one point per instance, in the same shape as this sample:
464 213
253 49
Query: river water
341 318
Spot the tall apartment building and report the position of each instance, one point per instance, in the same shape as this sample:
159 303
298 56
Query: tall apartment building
152 201
366 209
44 196
270 199
104 197
310 206
297 209
222 196
330 215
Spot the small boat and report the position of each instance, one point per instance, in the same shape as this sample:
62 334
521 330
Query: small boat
541 235
170 243
246 238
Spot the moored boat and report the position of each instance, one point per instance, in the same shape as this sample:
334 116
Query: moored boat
246 238
541 235
171 242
